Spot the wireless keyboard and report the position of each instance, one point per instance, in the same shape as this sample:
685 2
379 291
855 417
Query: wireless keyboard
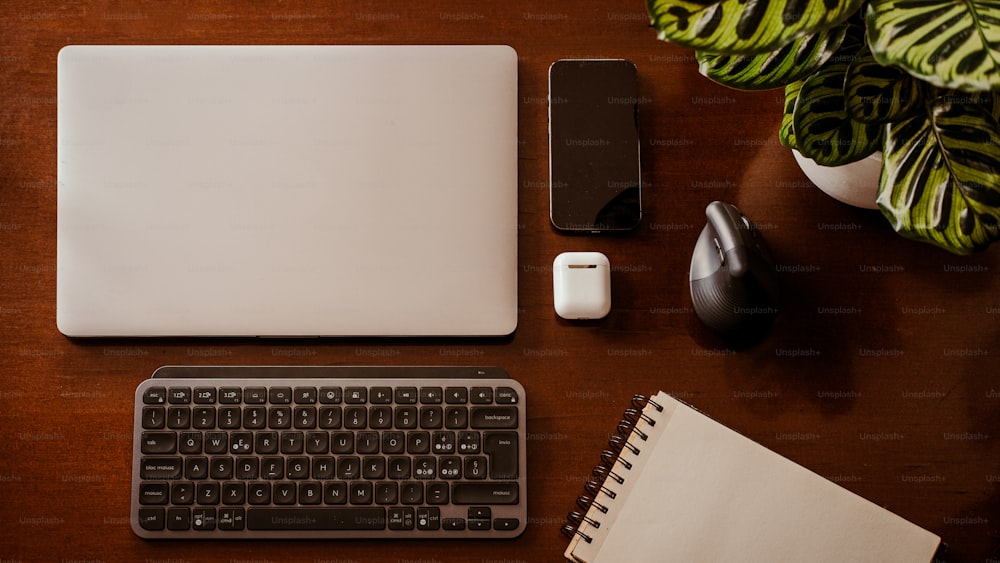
227 452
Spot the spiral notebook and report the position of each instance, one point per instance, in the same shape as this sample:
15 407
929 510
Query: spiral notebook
678 486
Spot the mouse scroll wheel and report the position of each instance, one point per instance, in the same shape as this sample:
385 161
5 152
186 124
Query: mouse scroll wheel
722 253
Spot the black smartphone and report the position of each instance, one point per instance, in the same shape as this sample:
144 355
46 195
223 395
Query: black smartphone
594 183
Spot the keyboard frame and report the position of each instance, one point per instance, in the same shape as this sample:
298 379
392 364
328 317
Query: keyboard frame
343 376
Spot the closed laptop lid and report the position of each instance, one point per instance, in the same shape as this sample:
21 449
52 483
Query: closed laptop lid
287 190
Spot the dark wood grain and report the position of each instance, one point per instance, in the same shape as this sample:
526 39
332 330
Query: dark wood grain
882 372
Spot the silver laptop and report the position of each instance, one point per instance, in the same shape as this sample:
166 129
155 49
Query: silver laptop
287 190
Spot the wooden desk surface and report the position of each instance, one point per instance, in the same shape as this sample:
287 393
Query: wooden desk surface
882 372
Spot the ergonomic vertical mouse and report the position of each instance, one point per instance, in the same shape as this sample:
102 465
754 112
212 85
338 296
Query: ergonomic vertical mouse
734 286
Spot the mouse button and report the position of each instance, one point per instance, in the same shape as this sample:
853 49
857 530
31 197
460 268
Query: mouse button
706 258
727 222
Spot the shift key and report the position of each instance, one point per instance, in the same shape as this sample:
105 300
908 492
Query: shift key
484 493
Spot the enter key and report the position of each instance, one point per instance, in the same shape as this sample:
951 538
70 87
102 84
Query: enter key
502 448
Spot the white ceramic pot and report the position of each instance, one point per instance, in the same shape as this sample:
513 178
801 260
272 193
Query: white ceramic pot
854 184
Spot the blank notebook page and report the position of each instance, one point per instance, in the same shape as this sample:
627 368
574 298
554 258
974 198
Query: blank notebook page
705 493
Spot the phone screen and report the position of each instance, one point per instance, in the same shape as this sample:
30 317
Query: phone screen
594 183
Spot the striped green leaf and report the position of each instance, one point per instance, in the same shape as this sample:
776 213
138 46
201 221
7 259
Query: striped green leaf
877 93
744 26
824 131
941 181
949 43
793 61
786 134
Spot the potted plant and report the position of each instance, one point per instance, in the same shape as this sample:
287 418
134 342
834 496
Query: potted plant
914 79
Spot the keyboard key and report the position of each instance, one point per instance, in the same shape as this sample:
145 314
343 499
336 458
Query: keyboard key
232 519
161 468
153 417
428 518
479 518
305 417
266 442
387 493
221 468
304 395
154 493
412 493
259 493
255 395
204 395
179 395
190 443
468 442
456 395
481 395
380 417
437 493
381 395
230 395
310 493
356 395
342 443
216 442
485 493
203 418
339 518
453 523
203 519
330 417
254 418
279 395
178 417
335 493
179 519
330 395
475 467
284 493
401 518
506 524
229 418
151 518
506 396
182 492
279 417
431 395
406 417
355 417
297 468
234 492
195 468
431 417
456 417
317 443
247 468
494 417
208 493
158 443
242 443
406 395
361 492
154 395
503 451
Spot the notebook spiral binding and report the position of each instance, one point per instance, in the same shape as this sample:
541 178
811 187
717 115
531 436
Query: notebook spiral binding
612 466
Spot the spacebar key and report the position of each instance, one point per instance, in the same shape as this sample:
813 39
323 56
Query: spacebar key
315 518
